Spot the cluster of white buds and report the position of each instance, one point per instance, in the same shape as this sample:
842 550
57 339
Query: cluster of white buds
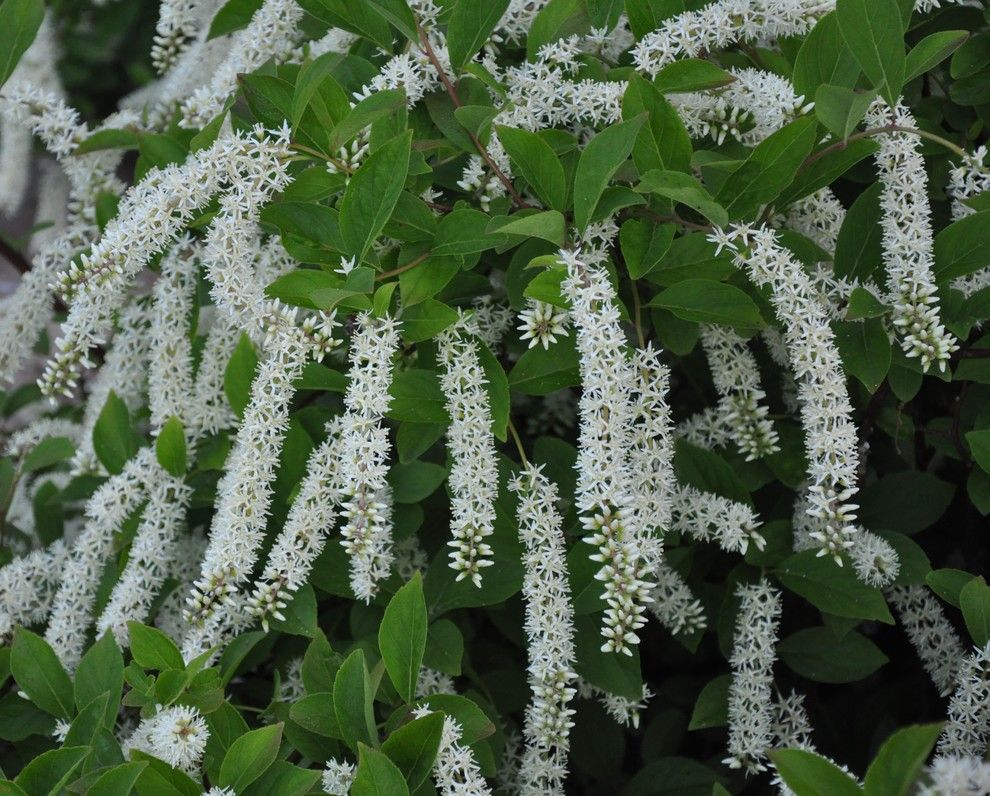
930 632
826 411
604 494
177 735
549 627
473 476
177 25
967 730
492 319
908 239
755 105
741 397
750 692
542 323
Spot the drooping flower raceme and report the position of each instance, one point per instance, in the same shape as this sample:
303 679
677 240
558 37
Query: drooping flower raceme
473 468
364 450
908 239
933 637
750 695
549 626
106 511
604 496
826 412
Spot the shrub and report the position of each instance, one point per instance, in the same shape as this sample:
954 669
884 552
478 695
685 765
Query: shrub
495 396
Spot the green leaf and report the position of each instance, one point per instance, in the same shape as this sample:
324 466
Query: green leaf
315 78
815 653
118 781
711 708
863 304
536 162
413 747
49 773
948 583
974 601
475 725
315 713
807 774
19 21
600 159
40 674
873 30
865 350
415 481
353 702
464 231
402 637
170 447
107 139
541 371
372 193
249 757
769 169
824 58
100 671
644 244
831 588
426 320
444 647
558 19
684 188
841 109
907 501
159 779
707 301
239 374
417 398
858 248
470 25
232 16
152 649
49 451
979 447
691 74
963 247
397 12
663 142
376 775
370 109
897 765
931 51
114 441
548 225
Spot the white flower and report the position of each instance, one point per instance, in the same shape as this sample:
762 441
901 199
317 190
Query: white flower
338 777
28 584
956 776
542 323
710 517
473 479
750 695
177 735
874 559
673 604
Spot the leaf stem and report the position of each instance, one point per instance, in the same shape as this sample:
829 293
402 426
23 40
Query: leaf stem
518 441
395 271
